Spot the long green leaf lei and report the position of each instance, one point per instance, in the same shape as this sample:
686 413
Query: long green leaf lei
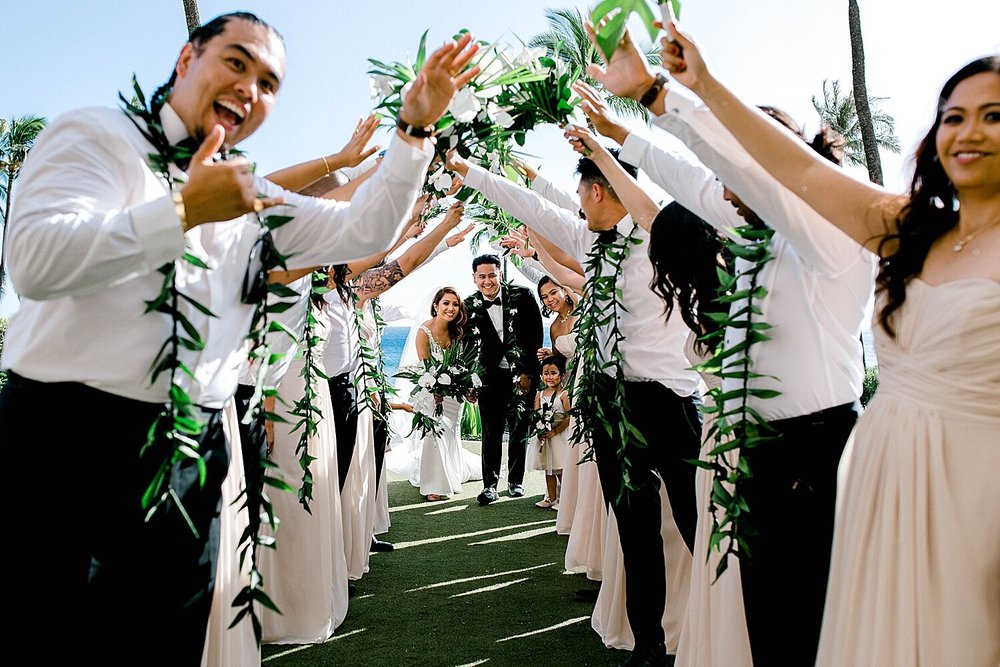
736 426
368 381
600 310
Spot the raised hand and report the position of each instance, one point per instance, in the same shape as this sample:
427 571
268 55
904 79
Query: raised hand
627 74
582 140
682 58
517 242
456 185
220 191
457 238
354 152
438 81
597 110
456 163
454 215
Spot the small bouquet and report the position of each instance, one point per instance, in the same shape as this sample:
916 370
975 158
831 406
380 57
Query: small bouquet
543 421
457 374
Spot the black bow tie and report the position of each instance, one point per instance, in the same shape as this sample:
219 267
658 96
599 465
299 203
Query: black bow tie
608 236
183 151
494 302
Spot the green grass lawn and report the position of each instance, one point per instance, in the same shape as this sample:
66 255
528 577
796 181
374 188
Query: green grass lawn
467 585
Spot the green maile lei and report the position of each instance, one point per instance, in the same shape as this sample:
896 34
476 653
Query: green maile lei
370 381
179 424
600 310
737 426
306 409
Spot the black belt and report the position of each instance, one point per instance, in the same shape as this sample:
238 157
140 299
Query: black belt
817 418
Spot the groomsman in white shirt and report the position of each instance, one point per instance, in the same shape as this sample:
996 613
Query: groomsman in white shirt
92 228
660 389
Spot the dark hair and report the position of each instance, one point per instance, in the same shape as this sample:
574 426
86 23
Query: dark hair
455 329
554 360
337 274
206 32
684 251
538 288
827 142
485 259
590 173
931 210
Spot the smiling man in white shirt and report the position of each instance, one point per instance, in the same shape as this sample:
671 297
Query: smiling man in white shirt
92 228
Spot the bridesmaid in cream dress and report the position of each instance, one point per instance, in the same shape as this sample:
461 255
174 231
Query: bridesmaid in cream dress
915 576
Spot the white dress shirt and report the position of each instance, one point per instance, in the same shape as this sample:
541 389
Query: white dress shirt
653 349
92 224
342 346
819 283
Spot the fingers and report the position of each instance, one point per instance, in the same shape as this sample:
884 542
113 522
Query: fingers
368 153
439 54
597 73
210 146
261 203
466 77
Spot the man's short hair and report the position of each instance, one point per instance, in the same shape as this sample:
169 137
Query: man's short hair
485 259
208 31
590 173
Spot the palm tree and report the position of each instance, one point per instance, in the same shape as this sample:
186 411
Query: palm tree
840 112
567 39
16 138
861 100
191 15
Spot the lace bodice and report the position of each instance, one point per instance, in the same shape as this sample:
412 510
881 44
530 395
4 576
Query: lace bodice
437 351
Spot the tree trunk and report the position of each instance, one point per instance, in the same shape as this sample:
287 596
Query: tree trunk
191 15
872 159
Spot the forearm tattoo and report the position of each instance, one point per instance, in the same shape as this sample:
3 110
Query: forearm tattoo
375 281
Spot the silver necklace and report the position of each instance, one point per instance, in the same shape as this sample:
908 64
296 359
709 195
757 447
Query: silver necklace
960 245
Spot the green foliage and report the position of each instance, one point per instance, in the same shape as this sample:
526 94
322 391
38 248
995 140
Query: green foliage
614 15
869 385
472 423
839 111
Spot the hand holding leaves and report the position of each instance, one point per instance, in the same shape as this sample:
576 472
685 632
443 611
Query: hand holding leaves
438 81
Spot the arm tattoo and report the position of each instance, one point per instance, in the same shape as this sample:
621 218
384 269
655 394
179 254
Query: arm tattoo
373 282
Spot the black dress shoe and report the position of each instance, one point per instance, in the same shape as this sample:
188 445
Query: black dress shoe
515 490
489 495
352 589
648 656
587 595
380 545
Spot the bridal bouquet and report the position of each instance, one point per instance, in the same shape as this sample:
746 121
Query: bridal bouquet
543 421
457 375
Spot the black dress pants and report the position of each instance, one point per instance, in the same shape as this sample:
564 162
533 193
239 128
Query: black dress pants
671 425
344 397
792 497
77 478
500 409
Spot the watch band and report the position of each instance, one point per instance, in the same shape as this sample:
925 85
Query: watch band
414 130
654 90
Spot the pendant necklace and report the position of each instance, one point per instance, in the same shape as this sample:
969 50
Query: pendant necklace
960 245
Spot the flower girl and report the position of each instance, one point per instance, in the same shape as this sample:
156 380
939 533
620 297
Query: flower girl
549 447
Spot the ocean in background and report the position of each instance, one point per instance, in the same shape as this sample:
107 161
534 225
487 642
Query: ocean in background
394 339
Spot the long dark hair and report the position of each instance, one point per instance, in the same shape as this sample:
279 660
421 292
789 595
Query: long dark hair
544 280
455 328
685 251
931 211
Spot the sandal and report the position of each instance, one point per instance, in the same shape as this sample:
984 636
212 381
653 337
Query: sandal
544 503
433 497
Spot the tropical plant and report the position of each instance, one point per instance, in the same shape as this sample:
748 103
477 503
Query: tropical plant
861 99
839 111
472 423
566 39
191 15
17 136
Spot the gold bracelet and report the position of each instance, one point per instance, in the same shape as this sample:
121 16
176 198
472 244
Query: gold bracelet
327 165
180 210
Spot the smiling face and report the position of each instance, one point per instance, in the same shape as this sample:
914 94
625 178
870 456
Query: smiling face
487 277
554 297
447 307
551 375
231 80
968 137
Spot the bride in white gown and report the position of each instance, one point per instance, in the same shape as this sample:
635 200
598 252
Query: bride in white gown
443 464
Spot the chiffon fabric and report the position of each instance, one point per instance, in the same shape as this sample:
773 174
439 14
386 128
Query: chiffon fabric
238 646
915 576
569 483
610 619
714 633
306 575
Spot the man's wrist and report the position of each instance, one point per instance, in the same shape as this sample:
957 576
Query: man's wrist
654 92
180 210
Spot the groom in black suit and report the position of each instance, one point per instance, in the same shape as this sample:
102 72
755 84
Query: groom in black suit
505 322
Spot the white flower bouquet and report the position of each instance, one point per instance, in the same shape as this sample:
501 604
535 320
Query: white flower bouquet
457 374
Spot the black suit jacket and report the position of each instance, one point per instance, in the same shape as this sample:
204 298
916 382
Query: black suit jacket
522 321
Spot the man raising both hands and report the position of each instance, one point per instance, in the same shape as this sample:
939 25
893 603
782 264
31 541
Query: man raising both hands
95 223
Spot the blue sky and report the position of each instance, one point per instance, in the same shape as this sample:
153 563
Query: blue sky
65 54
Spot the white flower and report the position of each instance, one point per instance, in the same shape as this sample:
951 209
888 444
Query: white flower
494 158
441 180
444 379
529 58
426 381
476 382
453 369
475 331
464 106
381 86
503 119
513 311
422 401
